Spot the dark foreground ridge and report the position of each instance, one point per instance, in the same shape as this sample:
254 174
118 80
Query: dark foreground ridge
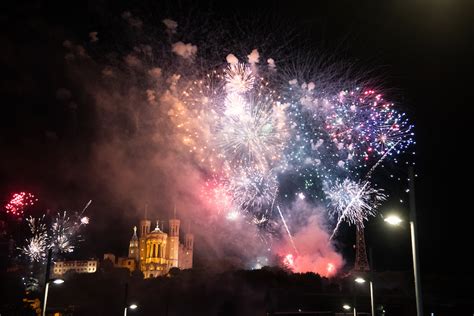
268 291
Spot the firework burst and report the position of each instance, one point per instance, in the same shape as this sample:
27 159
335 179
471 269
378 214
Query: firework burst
63 231
61 235
239 78
38 244
252 189
365 125
258 140
353 201
252 132
18 202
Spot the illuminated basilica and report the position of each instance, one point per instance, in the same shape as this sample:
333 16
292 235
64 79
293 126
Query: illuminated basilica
156 252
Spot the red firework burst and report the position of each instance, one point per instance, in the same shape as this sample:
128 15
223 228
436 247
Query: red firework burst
18 202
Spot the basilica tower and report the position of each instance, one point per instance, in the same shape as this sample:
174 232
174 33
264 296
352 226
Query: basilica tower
144 231
173 242
156 259
133 249
186 251
189 245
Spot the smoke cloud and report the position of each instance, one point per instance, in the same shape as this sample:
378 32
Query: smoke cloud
187 51
254 57
231 59
315 252
170 25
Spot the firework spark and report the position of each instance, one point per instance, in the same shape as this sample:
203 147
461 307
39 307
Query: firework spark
365 124
287 229
37 245
252 131
353 201
18 202
61 235
239 78
252 189
62 232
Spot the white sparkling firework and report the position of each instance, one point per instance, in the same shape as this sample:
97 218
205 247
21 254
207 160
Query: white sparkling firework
38 244
63 231
239 78
253 132
61 236
252 189
353 202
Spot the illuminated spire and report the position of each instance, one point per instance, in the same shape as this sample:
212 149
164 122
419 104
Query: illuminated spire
135 231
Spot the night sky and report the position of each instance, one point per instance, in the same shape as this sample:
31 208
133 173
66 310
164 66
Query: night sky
422 51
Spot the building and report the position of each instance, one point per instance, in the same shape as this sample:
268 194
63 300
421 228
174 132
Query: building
155 252
77 266
121 262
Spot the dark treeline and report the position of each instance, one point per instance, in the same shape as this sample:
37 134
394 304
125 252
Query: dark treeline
268 291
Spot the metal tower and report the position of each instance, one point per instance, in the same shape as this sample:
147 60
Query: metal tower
361 263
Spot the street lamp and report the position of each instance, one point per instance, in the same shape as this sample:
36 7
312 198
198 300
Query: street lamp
348 307
46 290
132 306
360 280
393 220
58 281
48 280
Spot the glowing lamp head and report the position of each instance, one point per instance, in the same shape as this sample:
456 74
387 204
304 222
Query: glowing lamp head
393 220
58 281
346 307
133 306
359 280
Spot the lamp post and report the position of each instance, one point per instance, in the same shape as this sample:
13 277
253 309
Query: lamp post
48 281
125 300
371 264
395 221
126 306
372 305
46 290
347 307
360 280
